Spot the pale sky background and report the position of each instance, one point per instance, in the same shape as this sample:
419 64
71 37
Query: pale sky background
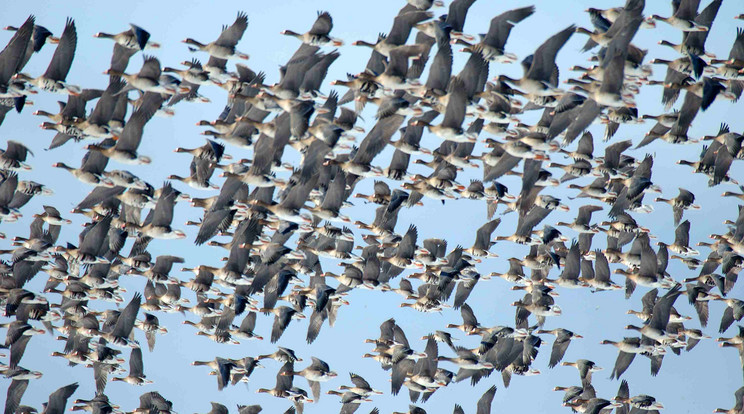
698 381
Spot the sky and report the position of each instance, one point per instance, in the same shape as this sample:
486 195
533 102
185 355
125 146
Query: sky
698 381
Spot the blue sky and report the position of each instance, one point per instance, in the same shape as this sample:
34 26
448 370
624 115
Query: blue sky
698 381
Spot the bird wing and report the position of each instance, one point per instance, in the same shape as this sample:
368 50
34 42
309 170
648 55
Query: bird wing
232 35
543 63
59 67
323 24
131 135
13 53
501 25
58 399
483 235
623 361
125 321
682 234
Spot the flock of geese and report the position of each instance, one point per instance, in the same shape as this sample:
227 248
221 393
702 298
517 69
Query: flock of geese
294 257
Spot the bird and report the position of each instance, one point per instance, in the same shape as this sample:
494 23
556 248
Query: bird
136 371
563 339
53 80
224 46
537 79
318 34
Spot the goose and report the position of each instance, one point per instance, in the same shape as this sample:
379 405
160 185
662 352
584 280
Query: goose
224 46
318 371
647 274
682 202
483 242
194 73
135 38
451 127
581 224
537 78
656 327
318 34
599 277
492 45
470 324
159 225
395 75
628 348
148 79
563 339
283 315
515 274
14 156
641 402
53 80
120 335
39 36
569 278
585 367
683 18
681 241
360 387
246 330
197 177
125 148
466 360
136 371
398 35
539 309
85 176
